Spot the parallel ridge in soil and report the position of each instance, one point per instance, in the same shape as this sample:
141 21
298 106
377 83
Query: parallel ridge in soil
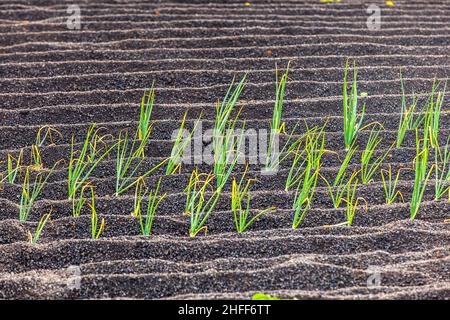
68 79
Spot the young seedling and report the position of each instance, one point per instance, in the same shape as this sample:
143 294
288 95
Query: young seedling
13 166
390 185
83 162
145 113
179 146
278 156
314 149
96 230
48 134
225 108
78 203
352 120
433 114
369 167
36 158
407 119
225 144
424 154
37 234
297 167
31 193
138 197
304 194
315 145
352 202
152 204
239 192
420 180
41 138
337 189
129 161
198 205
97 144
226 152
276 127
442 171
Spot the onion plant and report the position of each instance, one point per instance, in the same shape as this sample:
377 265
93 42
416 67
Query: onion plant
390 185
153 201
368 165
240 193
179 146
433 113
408 119
352 202
278 156
96 229
138 197
40 227
226 152
225 107
129 161
276 126
145 113
297 167
36 158
304 193
84 161
425 149
44 133
352 118
30 192
224 143
78 203
199 204
13 166
338 187
421 176
315 145
442 171
312 152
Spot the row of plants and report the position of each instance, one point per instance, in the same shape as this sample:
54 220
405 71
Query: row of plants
204 189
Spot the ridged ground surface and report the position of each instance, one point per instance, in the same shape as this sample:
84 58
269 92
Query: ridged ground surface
70 78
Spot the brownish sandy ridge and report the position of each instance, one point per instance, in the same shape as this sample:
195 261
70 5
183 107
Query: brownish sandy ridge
68 79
